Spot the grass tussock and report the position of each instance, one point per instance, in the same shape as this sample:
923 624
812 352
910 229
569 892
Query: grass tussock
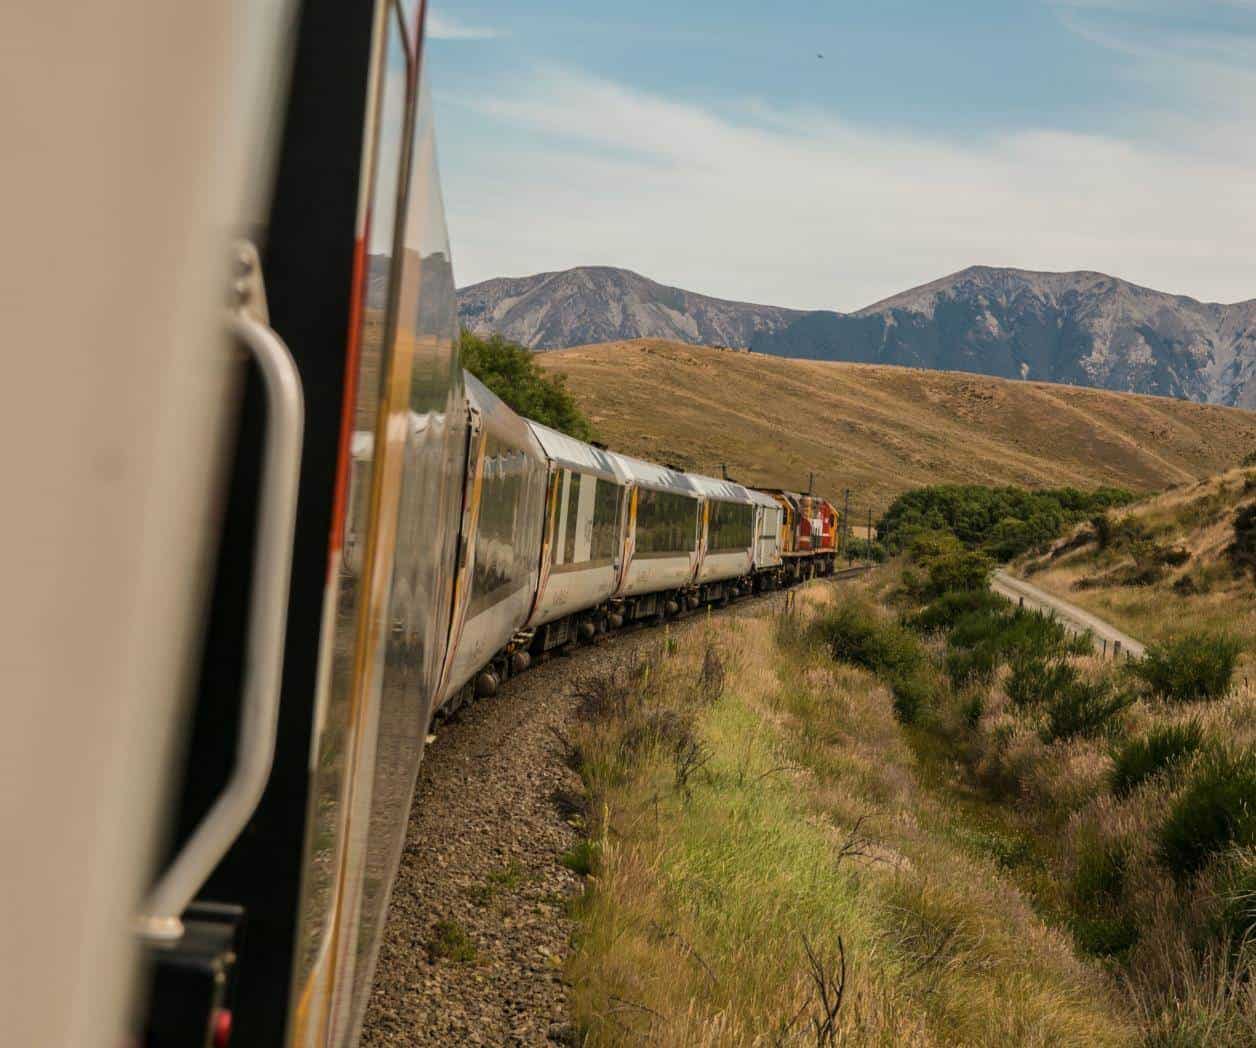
801 885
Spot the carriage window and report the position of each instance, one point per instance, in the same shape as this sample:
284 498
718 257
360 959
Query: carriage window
666 523
730 526
573 518
605 521
497 572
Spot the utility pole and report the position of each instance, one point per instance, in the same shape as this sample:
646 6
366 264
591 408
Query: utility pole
846 524
868 536
811 483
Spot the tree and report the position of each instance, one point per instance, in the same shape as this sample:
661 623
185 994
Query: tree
511 371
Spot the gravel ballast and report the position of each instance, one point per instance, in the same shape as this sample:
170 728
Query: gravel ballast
478 927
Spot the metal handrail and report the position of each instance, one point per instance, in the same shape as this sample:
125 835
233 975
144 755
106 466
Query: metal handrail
160 917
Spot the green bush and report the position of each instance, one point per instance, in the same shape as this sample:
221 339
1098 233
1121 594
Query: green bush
1192 666
967 666
856 634
958 573
1242 551
864 549
510 370
1164 746
1216 810
1004 521
945 611
1036 679
1083 708
912 697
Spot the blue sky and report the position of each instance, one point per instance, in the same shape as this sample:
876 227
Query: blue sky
709 145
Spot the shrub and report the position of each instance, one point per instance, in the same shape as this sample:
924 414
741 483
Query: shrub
945 611
1034 680
1005 521
1083 708
1242 551
959 572
977 665
856 634
1192 666
912 697
865 549
1165 746
510 370
1217 809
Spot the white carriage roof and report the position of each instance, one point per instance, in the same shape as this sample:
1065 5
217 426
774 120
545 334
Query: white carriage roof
725 490
650 475
571 453
762 498
497 417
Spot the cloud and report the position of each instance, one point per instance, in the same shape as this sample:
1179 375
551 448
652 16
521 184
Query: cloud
444 27
810 211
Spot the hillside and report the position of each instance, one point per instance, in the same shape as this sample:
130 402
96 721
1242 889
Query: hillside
1079 328
881 430
1167 567
599 303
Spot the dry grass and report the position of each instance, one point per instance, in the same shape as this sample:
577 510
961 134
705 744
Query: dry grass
802 886
882 430
1198 518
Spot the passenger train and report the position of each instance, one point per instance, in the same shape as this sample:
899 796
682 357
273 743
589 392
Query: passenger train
263 544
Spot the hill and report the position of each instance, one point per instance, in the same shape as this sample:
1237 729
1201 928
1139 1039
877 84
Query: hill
600 303
1167 564
881 430
1079 328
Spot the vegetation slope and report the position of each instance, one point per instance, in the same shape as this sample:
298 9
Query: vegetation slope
884 430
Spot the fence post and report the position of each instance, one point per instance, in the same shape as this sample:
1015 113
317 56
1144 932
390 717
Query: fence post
1021 604
1116 649
1105 647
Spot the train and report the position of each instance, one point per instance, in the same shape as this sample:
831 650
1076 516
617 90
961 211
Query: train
271 528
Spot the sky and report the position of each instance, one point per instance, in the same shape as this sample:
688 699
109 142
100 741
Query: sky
825 154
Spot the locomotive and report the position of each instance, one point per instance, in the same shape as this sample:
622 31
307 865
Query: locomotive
266 542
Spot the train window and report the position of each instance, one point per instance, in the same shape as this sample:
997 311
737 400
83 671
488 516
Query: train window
502 565
730 526
605 545
666 522
572 518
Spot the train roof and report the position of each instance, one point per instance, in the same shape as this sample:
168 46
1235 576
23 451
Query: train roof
498 418
650 475
725 490
571 453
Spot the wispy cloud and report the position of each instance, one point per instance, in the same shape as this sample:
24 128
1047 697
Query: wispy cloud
816 212
445 27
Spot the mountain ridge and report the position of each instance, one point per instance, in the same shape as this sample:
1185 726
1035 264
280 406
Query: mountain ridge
1079 327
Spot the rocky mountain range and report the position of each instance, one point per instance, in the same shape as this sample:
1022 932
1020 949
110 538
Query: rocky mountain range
603 304
1080 328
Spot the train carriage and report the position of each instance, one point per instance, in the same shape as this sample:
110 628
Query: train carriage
503 523
661 551
768 523
728 540
585 529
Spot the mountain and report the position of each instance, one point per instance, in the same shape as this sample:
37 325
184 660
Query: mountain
600 303
882 430
1082 328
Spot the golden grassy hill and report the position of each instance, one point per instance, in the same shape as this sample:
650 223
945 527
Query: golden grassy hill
880 430
1124 584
